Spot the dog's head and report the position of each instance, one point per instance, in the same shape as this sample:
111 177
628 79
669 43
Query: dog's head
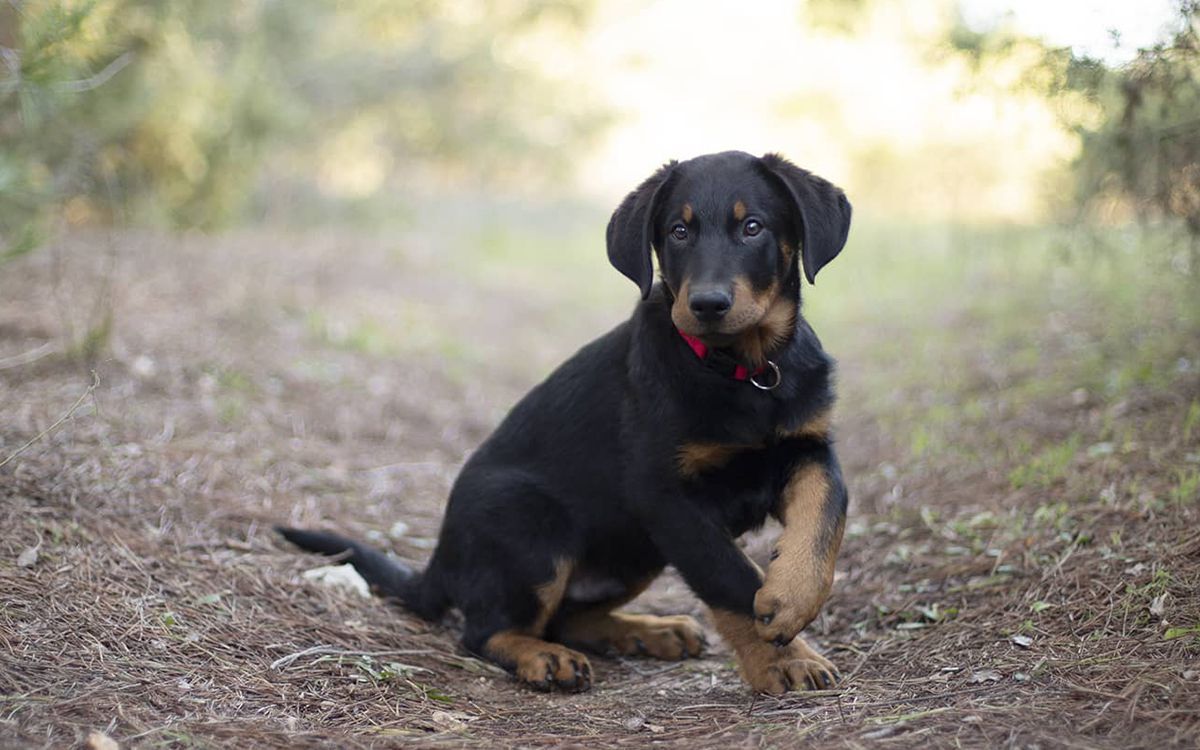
731 232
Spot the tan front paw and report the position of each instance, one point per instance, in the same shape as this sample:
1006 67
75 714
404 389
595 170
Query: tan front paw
792 667
781 612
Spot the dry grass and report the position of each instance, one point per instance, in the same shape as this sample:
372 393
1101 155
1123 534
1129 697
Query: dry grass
987 595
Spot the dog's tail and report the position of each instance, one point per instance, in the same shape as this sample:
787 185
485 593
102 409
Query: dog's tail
386 576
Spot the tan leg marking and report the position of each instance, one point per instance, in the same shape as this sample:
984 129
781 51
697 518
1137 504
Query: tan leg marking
671 638
800 575
600 629
550 595
773 669
536 662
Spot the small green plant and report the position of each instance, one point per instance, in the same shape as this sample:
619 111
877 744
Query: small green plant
1187 486
384 671
230 409
920 440
1052 515
1173 633
1191 421
94 341
1047 467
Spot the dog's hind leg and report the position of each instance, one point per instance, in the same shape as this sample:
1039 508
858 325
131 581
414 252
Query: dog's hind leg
597 627
507 627
507 551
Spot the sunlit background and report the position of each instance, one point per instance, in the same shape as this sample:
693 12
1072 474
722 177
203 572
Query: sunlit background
492 139
227 113
870 94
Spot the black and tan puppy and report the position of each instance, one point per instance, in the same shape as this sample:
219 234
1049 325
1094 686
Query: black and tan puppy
659 444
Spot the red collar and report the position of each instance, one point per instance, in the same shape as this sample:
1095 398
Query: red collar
740 372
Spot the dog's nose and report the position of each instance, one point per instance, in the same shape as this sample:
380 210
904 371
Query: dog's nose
709 305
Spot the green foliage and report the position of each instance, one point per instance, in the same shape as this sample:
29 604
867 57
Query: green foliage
840 16
175 112
1138 123
1146 148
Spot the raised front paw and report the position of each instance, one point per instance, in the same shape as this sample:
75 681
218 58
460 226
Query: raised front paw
784 606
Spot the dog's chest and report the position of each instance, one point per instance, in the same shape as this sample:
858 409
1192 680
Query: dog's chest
743 417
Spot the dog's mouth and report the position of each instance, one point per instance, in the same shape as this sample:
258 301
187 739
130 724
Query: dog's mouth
723 332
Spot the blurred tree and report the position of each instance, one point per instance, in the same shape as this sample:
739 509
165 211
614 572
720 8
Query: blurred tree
1138 124
1146 147
50 59
169 112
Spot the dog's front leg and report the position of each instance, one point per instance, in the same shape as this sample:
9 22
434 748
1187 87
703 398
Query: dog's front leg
812 509
726 580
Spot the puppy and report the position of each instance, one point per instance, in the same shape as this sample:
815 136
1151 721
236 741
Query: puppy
657 444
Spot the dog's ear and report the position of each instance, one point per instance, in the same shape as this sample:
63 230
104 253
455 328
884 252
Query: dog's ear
822 211
630 230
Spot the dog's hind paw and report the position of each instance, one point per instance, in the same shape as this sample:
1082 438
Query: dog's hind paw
554 666
671 638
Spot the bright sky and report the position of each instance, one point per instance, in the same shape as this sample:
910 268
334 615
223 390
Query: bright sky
877 113
1082 24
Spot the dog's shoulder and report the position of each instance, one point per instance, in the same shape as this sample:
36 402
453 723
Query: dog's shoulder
806 392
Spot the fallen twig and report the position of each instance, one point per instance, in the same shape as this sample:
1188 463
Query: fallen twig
284 661
78 402
29 357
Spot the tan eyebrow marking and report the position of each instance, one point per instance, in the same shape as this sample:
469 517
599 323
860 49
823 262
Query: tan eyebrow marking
687 212
739 210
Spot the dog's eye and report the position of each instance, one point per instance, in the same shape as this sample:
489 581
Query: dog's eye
679 232
752 228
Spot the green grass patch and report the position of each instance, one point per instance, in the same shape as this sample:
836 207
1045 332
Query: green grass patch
1173 633
1047 467
1187 486
1191 421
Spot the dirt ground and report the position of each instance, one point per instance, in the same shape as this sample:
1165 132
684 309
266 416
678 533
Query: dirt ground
1032 581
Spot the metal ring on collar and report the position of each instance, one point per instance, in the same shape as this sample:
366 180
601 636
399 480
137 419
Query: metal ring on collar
774 368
